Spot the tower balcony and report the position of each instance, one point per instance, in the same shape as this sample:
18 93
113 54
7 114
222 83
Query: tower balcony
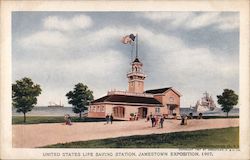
114 92
140 74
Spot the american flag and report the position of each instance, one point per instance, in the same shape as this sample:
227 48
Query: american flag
128 39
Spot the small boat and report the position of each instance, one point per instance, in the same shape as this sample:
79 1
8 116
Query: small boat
205 104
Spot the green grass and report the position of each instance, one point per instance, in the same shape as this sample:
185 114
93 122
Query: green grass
212 138
51 119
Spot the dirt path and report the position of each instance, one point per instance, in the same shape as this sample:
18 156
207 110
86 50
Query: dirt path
37 135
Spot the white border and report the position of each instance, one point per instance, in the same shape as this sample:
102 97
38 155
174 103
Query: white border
242 6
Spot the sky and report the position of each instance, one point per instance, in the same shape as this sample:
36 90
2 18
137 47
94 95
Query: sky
192 52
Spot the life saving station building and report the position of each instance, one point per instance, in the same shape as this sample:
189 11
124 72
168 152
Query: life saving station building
163 101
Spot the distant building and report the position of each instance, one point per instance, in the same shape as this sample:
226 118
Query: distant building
163 101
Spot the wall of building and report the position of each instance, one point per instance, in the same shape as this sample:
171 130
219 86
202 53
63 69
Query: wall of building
172 98
136 86
169 98
97 111
127 112
135 109
101 110
164 110
168 95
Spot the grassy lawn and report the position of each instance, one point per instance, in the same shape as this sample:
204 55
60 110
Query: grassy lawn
51 119
213 138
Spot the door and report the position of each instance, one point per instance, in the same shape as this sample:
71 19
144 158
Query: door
119 112
143 111
171 109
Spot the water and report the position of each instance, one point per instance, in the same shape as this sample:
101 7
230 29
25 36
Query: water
216 112
61 111
47 111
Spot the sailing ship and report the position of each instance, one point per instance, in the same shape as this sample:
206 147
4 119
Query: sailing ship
206 103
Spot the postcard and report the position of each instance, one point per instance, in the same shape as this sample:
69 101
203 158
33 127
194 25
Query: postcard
125 79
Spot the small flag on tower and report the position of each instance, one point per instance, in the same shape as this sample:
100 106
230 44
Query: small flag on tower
128 39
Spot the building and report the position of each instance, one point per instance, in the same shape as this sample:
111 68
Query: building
163 101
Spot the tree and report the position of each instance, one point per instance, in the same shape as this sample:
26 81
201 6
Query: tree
227 100
24 95
80 98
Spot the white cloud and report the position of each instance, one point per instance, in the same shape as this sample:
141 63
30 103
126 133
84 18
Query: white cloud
157 16
100 38
88 57
192 70
228 22
74 23
202 20
170 18
59 76
190 20
182 57
159 42
44 39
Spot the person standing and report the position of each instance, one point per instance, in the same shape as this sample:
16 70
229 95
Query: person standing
161 121
153 121
156 120
107 119
151 115
69 120
111 118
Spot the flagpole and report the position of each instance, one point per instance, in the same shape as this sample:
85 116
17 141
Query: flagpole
132 50
136 45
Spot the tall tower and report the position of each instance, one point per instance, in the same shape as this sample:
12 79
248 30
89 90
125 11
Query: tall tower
136 76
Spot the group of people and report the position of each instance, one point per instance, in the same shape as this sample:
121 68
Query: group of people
156 120
109 118
159 120
136 117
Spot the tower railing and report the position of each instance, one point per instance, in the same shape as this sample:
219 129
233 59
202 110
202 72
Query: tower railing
136 73
126 93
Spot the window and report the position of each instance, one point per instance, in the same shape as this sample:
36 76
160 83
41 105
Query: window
171 99
102 108
157 110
